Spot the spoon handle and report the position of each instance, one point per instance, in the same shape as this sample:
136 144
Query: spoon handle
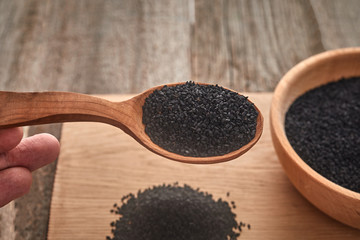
32 108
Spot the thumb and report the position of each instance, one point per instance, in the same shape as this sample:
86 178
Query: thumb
34 152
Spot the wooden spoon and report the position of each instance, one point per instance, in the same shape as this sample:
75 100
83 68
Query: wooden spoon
33 108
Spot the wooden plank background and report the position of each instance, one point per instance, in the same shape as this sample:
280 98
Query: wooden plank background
127 46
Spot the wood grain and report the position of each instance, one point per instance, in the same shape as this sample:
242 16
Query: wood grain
246 44
100 164
127 46
250 45
94 46
338 23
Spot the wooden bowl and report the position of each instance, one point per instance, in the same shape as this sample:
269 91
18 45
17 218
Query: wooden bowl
334 200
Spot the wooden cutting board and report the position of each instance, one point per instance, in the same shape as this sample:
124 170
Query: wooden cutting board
99 164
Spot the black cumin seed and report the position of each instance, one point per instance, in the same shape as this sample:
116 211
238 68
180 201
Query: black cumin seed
174 212
199 120
323 127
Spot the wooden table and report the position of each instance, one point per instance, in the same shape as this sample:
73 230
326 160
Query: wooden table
119 47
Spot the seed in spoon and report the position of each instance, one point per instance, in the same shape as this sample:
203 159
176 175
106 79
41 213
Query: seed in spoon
199 120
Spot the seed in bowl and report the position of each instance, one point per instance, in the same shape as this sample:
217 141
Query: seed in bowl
323 127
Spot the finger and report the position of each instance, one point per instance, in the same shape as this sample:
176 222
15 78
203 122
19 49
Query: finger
10 138
33 152
14 182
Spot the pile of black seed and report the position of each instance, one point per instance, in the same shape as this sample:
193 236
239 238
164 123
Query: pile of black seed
323 127
199 120
174 212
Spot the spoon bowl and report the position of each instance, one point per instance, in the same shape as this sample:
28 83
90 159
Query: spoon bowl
34 108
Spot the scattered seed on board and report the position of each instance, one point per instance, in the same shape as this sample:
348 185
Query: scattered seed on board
174 212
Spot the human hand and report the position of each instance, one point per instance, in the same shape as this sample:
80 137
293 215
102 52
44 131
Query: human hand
19 157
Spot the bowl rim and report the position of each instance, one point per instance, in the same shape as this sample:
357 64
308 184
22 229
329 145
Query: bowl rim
278 125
